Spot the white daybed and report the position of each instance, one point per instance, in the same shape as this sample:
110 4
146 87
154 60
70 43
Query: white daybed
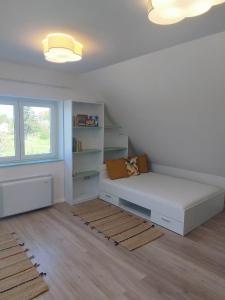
174 203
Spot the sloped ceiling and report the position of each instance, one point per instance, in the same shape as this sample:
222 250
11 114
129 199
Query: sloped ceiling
111 31
171 103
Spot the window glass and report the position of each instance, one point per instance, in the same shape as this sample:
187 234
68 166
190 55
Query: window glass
37 130
7 131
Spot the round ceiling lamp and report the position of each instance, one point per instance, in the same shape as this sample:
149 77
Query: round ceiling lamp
61 48
166 12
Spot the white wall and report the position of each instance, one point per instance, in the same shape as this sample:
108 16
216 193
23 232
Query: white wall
18 80
28 81
171 103
56 169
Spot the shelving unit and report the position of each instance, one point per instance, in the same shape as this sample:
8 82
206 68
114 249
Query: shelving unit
115 142
87 127
86 174
82 168
109 149
113 126
87 151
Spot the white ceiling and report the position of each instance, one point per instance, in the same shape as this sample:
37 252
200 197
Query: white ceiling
110 30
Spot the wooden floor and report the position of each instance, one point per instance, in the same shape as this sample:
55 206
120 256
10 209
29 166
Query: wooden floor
81 265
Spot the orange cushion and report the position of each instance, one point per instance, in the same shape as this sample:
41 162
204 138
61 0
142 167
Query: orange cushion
143 164
116 168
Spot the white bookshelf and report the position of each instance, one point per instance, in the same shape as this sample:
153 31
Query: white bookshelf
82 168
115 142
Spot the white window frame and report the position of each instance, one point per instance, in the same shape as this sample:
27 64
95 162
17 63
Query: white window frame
19 141
53 132
14 103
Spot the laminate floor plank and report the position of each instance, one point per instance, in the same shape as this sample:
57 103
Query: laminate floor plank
81 264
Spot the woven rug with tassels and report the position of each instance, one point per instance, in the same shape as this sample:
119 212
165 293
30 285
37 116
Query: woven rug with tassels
19 277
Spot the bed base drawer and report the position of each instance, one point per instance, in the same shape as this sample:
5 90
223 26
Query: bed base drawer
167 222
109 198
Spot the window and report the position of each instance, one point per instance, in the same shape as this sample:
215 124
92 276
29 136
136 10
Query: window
37 130
7 131
28 130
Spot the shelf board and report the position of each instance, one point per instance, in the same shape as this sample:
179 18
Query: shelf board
113 126
87 127
108 149
87 151
85 174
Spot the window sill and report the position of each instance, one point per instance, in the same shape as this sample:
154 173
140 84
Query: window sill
30 162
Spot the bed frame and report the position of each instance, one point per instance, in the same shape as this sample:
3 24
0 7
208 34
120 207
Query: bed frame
191 217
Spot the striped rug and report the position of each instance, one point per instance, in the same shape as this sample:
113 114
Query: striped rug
19 278
124 228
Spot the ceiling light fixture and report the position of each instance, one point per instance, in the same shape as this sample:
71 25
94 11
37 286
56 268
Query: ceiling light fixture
61 48
166 12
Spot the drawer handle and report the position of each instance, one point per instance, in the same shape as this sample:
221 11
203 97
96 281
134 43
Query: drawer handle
166 220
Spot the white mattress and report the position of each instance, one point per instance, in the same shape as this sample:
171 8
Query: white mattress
175 194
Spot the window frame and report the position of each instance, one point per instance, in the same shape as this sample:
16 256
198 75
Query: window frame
53 129
19 137
15 105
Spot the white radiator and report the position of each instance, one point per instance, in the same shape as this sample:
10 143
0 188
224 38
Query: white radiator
26 194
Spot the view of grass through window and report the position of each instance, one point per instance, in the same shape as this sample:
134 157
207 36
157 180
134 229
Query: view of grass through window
7 143
37 130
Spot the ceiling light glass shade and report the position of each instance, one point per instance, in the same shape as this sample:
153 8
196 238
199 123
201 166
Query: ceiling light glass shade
61 48
197 7
166 12
162 3
217 2
166 16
